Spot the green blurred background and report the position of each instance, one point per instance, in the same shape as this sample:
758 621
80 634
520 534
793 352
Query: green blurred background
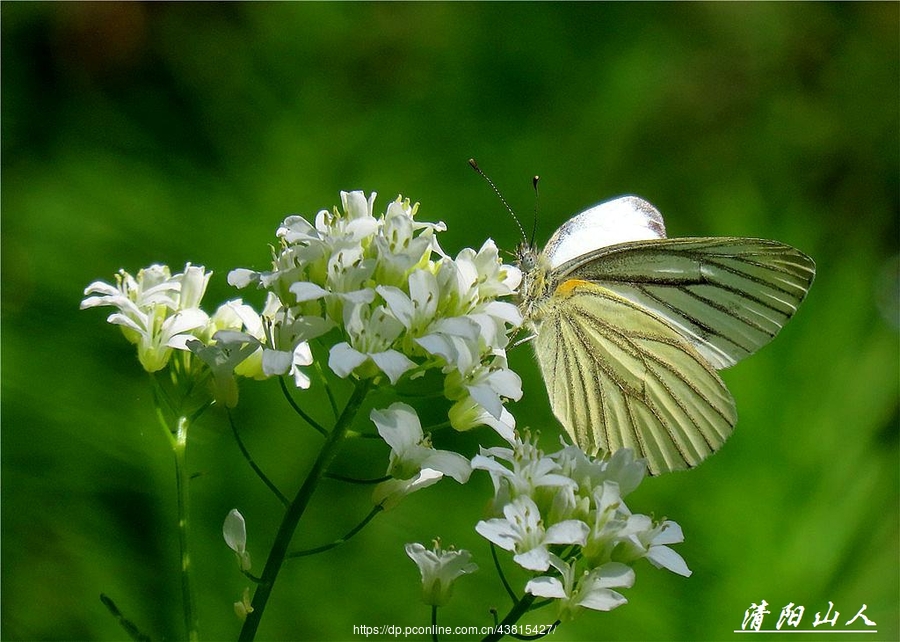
136 133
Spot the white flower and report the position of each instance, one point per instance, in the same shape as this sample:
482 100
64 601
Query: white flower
480 276
224 355
389 493
230 345
156 311
469 287
479 395
416 310
372 332
526 471
620 467
591 590
521 530
237 315
414 463
439 569
455 340
644 538
285 349
406 239
279 362
193 280
466 414
235 533
489 386
609 517
493 279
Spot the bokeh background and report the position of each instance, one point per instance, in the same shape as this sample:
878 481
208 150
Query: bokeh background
140 133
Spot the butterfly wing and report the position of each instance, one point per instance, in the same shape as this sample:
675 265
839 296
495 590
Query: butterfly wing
727 296
620 220
620 377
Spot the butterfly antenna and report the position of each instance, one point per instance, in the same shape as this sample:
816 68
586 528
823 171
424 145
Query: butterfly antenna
534 182
502 200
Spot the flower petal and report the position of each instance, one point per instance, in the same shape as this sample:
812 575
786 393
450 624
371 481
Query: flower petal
499 531
398 303
389 493
392 363
452 464
571 531
546 587
665 557
276 362
671 534
242 277
601 599
305 291
399 426
537 559
342 359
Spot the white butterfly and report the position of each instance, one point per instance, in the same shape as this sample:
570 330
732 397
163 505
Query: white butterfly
631 327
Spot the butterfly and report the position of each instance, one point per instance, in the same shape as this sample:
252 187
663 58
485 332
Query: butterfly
630 327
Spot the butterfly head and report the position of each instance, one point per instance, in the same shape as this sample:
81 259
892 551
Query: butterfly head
535 287
527 257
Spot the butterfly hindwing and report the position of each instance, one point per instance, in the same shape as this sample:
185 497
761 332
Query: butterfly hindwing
727 296
619 376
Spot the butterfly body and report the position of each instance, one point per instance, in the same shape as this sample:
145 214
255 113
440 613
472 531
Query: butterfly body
630 327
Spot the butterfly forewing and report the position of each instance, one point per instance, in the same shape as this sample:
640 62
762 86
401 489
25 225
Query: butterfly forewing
621 377
624 219
727 296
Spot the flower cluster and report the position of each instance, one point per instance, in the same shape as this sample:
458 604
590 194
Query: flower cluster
156 311
160 312
565 511
398 303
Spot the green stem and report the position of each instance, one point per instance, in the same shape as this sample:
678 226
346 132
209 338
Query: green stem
509 590
312 422
321 371
179 445
353 531
133 632
240 442
519 609
296 509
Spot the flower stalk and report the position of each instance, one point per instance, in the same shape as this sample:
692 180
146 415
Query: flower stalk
179 445
297 507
